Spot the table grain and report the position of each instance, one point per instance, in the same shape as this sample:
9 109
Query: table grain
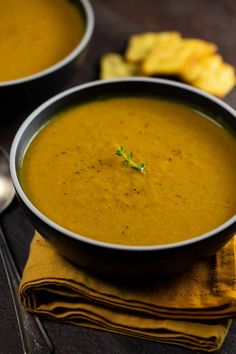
116 20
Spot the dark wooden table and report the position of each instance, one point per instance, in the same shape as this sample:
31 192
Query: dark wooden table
115 21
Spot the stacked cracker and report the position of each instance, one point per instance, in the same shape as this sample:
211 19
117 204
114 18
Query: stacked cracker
194 61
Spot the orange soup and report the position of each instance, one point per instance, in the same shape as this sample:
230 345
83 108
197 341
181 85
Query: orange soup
36 34
72 174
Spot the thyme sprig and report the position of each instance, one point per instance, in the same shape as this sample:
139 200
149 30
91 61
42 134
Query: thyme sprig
128 159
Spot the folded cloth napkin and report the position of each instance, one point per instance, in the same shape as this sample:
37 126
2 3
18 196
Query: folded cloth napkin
192 309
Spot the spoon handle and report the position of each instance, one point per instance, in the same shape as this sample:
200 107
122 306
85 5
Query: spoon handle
33 336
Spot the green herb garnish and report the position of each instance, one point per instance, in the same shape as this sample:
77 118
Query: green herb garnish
128 156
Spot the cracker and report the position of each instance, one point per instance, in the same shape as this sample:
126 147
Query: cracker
218 80
170 56
164 57
113 65
201 51
195 61
139 45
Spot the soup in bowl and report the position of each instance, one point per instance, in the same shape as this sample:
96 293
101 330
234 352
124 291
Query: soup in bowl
128 176
41 44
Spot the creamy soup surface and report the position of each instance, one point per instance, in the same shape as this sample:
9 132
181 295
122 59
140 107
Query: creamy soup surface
71 172
35 34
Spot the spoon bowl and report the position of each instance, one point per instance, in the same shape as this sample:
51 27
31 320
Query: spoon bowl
7 192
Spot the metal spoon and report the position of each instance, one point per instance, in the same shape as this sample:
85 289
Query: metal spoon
33 336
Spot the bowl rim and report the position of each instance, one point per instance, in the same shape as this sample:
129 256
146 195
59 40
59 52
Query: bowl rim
86 239
89 27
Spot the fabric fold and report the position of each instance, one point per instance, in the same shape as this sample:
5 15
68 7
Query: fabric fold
192 309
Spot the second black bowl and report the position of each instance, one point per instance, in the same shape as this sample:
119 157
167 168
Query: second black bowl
32 90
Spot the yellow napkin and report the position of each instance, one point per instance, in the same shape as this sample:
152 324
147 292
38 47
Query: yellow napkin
192 309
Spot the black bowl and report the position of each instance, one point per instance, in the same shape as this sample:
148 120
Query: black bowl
104 257
34 89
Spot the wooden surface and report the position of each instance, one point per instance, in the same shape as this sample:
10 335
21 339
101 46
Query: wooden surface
115 21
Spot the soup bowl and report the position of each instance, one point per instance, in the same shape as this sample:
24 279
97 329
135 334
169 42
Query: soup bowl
103 257
33 89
